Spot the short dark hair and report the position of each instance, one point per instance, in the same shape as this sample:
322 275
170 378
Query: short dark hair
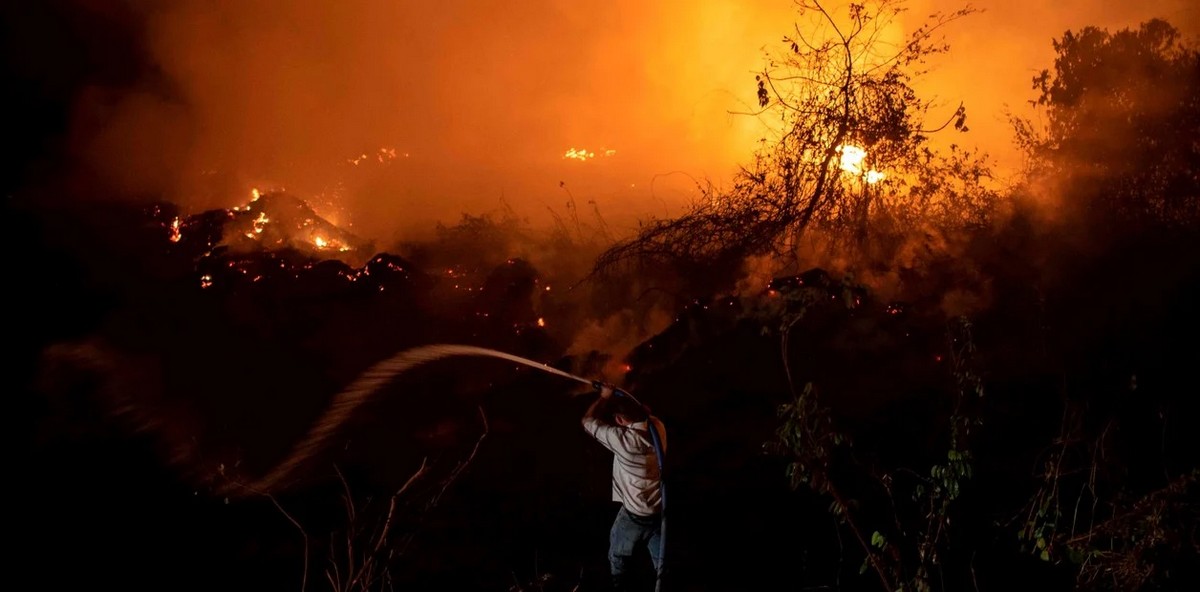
632 411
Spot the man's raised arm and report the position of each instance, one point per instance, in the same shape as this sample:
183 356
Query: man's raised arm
606 434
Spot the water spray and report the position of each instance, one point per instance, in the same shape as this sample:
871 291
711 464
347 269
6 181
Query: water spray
374 379
379 375
370 382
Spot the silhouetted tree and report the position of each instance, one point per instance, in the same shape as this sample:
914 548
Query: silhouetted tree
851 155
1117 144
1122 115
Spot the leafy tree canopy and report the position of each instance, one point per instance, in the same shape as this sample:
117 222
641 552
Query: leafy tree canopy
1122 125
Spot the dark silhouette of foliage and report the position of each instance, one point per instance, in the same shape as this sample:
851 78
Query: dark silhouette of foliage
1122 114
851 156
905 533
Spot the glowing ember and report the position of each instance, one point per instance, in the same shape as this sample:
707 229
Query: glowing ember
254 194
206 281
541 322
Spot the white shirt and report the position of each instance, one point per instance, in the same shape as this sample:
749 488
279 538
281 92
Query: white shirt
636 472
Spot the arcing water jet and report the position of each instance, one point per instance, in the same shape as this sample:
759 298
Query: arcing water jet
376 377
360 391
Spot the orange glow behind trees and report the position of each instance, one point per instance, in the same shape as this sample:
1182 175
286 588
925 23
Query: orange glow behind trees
852 151
457 105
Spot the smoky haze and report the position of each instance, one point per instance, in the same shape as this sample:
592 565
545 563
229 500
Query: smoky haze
390 115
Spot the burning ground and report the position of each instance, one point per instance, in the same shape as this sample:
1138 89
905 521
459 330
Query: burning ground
171 363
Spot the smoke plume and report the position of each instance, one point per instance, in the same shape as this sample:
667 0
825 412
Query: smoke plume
391 115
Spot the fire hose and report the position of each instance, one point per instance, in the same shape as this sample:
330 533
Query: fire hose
380 374
656 440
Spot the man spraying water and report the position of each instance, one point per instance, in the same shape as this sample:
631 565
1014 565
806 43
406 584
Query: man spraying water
637 440
617 420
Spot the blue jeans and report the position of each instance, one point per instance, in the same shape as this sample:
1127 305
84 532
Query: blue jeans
629 532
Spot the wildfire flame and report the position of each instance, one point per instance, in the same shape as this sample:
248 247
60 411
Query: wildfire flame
582 154
852 162
383 155
852 158
176 233
323 243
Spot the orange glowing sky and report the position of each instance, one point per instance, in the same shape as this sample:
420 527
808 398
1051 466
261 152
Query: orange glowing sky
480 99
